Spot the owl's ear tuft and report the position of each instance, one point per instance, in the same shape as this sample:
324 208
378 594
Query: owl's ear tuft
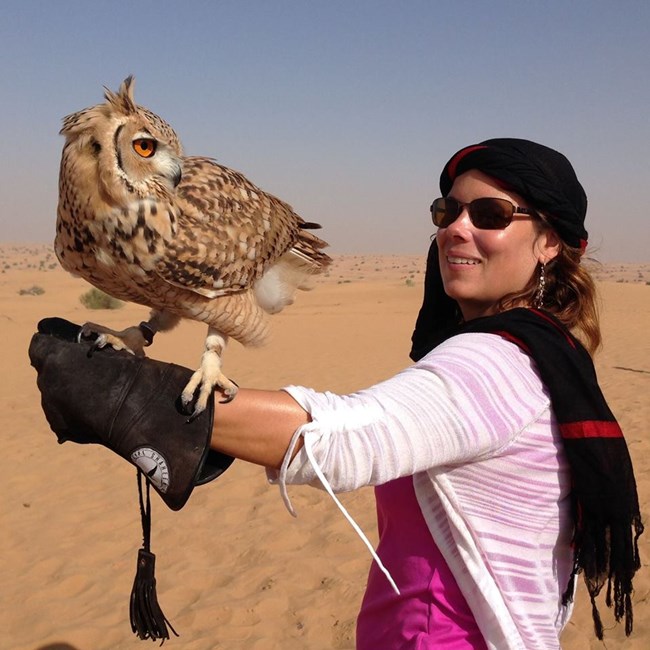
123 99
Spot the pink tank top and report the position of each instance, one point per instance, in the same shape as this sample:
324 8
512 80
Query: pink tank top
431 613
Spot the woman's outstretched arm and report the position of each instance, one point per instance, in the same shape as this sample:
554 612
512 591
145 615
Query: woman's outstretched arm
257 426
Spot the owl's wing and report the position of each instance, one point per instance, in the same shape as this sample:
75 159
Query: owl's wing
229 231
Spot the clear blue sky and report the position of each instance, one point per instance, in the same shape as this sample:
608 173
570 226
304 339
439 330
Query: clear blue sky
345 109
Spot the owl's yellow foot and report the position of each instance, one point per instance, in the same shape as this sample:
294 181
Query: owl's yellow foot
205 380
131 339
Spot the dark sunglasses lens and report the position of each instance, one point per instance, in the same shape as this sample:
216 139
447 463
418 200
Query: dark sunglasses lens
491 214
444 212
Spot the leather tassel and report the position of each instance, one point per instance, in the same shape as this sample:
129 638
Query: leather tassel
147 618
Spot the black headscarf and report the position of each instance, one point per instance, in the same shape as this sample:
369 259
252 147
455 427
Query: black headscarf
542 176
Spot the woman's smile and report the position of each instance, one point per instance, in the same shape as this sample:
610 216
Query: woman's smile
464 261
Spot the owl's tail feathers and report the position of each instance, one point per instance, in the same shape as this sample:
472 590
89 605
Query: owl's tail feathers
310 247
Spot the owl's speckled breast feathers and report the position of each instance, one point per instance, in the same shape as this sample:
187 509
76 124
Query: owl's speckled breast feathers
183 235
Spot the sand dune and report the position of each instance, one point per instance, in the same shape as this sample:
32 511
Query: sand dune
235 570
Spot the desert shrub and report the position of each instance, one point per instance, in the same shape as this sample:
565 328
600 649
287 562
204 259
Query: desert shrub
32 291
96 299
409 282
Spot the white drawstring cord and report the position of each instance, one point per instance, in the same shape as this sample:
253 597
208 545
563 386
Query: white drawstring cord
282 479
328 488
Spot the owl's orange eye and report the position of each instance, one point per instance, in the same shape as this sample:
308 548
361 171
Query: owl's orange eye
145 147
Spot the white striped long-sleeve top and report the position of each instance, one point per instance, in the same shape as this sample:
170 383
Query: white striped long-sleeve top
472 423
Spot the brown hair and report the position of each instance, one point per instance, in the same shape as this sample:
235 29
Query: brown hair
569 294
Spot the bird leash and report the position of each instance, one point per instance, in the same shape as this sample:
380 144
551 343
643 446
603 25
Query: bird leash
147 618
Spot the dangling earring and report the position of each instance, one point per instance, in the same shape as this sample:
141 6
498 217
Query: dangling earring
541 284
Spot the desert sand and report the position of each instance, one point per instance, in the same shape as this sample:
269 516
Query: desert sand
235 571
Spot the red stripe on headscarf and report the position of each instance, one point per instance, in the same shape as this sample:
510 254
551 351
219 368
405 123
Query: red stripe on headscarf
453 163
541 314
590 429
513 339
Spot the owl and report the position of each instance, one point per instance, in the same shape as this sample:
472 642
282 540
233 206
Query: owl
182 235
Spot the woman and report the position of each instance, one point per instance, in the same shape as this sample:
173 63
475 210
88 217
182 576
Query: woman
500 472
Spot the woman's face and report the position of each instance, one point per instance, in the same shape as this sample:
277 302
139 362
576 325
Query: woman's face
479 267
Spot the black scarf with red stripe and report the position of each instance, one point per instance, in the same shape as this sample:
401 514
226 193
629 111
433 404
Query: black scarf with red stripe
607 522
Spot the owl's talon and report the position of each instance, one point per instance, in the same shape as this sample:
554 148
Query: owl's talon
131 339
99 341
205 385
196 411
230 393
87 333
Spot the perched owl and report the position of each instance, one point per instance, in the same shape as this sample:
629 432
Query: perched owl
185 236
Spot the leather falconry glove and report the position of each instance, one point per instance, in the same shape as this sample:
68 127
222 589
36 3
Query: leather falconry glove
131 405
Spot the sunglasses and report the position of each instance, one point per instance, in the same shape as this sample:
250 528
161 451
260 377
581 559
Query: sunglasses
485 214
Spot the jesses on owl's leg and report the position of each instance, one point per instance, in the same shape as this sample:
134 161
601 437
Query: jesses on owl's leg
132 339
209 375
